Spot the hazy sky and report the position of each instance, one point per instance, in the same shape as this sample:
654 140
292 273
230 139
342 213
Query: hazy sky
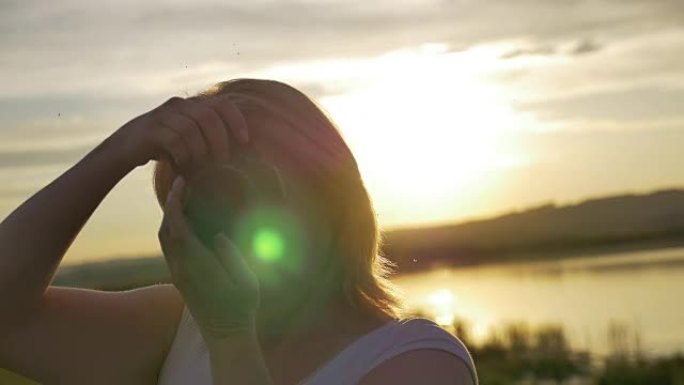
455 109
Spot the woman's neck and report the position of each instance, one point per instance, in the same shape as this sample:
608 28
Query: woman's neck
317 318
314 334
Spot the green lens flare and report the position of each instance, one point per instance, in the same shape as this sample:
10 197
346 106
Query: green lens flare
274 241
268 245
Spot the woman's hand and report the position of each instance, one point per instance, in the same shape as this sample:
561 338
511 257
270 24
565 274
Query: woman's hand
219 289
184 131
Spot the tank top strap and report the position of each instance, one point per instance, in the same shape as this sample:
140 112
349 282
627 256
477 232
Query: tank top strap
187 361
384 343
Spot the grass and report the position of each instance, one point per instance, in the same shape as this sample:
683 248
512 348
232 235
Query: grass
513 354
518 354
10 378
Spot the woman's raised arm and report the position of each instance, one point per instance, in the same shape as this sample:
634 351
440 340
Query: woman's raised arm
37 234
67 335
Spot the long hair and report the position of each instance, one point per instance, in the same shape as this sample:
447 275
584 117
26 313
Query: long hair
315 148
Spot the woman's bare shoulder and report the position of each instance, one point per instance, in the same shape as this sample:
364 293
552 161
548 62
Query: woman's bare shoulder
85 334
161 306
421 366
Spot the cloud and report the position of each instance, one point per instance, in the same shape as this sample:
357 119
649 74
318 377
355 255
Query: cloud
590 64
585 46
144 47
42 157
12 194
647 61
108 62
576 48
636 104
543 50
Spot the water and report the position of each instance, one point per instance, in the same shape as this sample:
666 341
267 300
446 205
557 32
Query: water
643 291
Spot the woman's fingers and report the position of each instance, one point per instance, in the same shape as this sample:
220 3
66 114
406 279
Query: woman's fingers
217 286
183 251
204 125
171 233
177 233
188 130
173 144
173 208
213 131
233 261
231 116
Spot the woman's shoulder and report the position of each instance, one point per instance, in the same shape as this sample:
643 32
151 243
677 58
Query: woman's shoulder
415 335
421 366
418 332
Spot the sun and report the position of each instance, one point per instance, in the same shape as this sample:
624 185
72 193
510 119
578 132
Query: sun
424 130
427 126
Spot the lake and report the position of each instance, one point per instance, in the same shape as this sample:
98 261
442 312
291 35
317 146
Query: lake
642 291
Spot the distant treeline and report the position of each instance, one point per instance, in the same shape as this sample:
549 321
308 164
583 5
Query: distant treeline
548 231
115 275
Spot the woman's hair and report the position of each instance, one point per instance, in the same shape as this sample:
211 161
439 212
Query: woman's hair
315 150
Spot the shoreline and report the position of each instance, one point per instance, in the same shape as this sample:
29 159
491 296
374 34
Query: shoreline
528 256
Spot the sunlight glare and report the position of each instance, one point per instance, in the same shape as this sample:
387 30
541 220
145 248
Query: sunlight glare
445 319
425 127
441 306
268 244
441 298
480 330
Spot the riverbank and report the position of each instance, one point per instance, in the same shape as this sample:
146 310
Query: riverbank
527 256
518 354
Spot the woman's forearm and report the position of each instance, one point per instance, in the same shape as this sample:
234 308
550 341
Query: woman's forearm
37 234
238 360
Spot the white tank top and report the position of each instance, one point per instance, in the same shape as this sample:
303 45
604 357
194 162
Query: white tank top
187 362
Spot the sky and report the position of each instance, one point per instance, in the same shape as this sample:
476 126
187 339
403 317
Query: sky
454 109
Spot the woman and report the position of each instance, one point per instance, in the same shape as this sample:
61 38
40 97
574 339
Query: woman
333 318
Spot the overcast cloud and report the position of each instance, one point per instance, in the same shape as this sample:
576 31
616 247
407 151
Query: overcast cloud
73 71
47 46
98 61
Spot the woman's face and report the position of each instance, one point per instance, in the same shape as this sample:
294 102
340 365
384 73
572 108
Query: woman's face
286 244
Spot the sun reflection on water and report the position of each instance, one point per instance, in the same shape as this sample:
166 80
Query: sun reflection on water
444 307
480 330
441 298
445 319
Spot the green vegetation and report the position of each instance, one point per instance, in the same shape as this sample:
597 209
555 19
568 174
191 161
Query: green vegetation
517 354
619 223
602 225
10 378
